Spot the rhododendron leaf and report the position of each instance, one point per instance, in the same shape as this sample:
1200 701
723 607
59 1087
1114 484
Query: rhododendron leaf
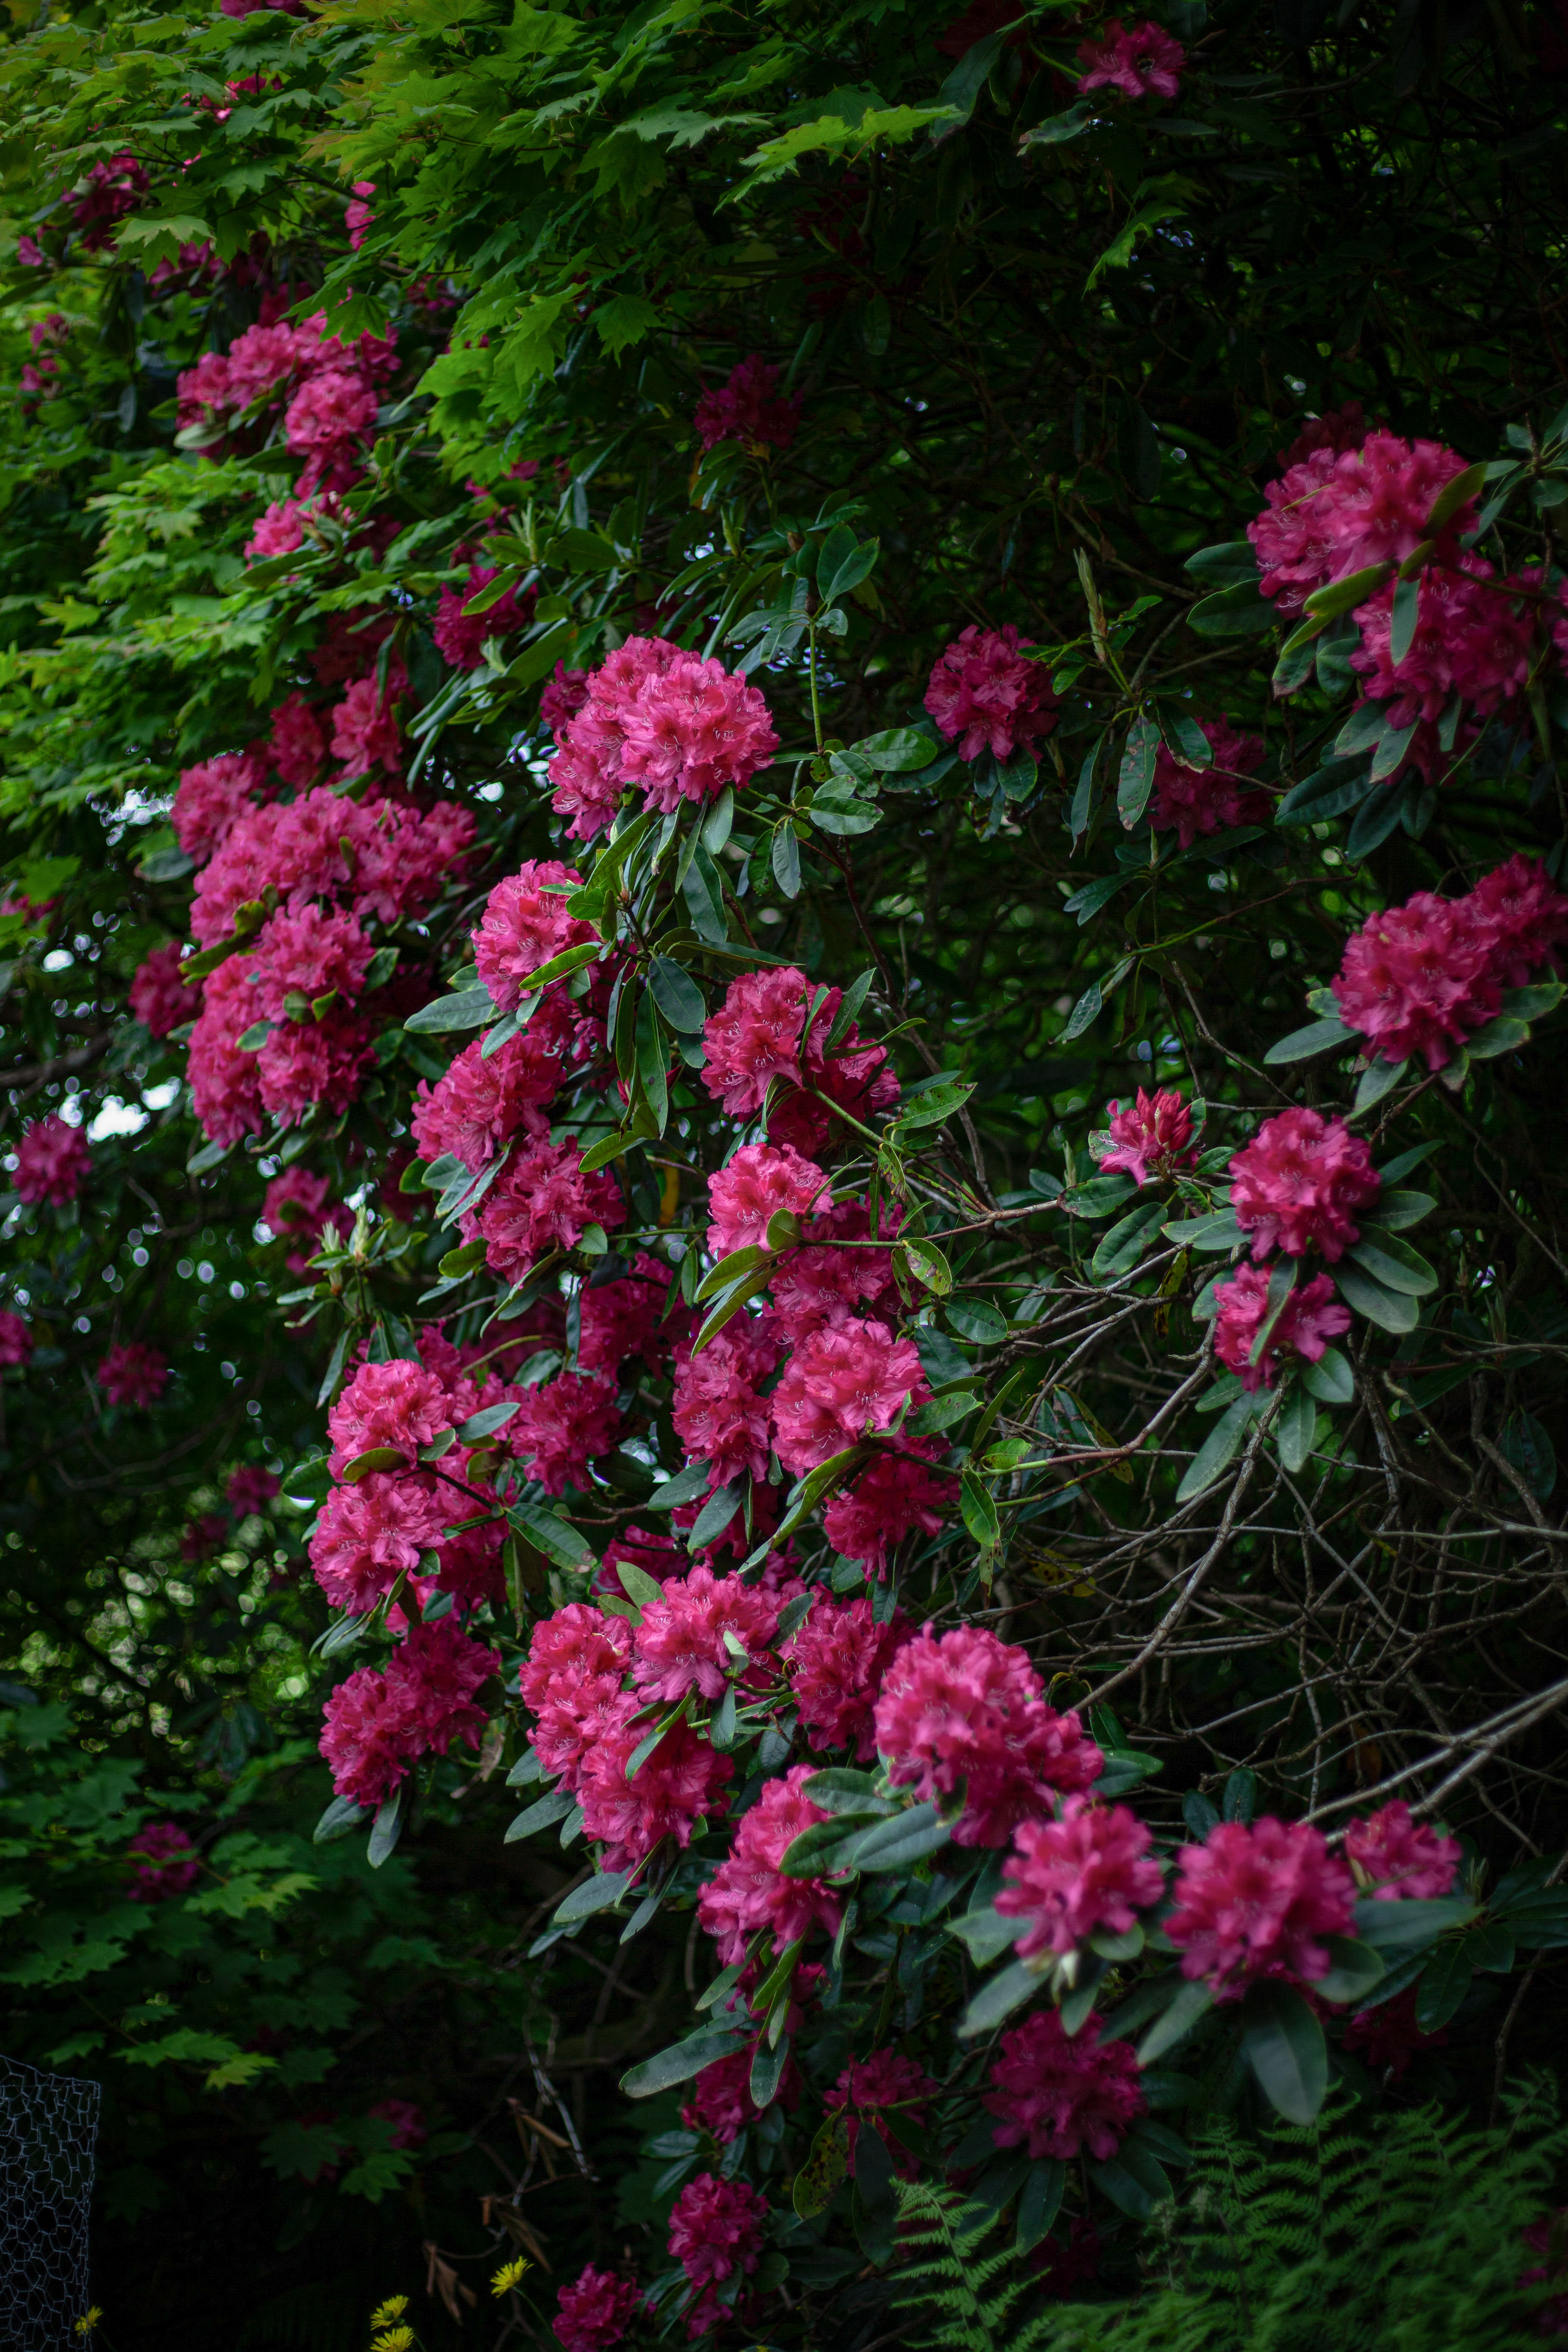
825 2169
841 1790
1405 616
1398 1210
387 1827
1330 1379
1125 1768
1443 1984
460 1262
1377 1079
470 1008
824 1848
595 1894
1234 612
927 1264
682 2060
929 1105
1317 1037
1365 725
1356 1971
543 1814
1283 2043
941 1413
979 1512
724 1984
676 995
998 1999
732 1302
1453 495
1411 1923
785 858
1039 2203
1217 1450
1123 1246
340 1816
526 1770
715 1516
1232 559
684 1487
1389 754
641 1587
377 1457
1133 2179
554 1537
1394 1263
988 1934
906 1838
1136 776
1501 1036
1327 792
1297 662
1375 819
1295 1427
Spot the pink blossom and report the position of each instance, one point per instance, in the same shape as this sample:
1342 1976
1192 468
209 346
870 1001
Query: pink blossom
967 1708
680 1782
561 1425
1296 1186
396 1404
1416 979
1338 429
297 1206
985 693
817 1283
579 1714
887 2079
587 772
752 1186
525 926
1337 513
754 1037
576 1641
307 956
617 1319
250 1489
1056 2096
1198 801
692 731
357 214
16 1338
1255 1901
747 408
842 1382
542 1200
1393 1856
1089 1869
1144 61
350 643
460 637
297 746
366 732
477 1104
212 798
134 1374
1310 1318
722 2101
836 1662
855 1076
158 996
1524 917
1386 2038
313 1063
379 1724
872 1515
329 420
367 1534
53 1163
718 1415
680 1645
288 522
586 790
563 697
749 1890
225 1087
1475 636
170 1866
716 2230
1152 1141
595 2310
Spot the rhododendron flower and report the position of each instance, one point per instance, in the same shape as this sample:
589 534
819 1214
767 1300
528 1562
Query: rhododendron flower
1143 62
716 2230
617 1319
843 1380
722 2101
1417 979
579 1714
16 1338
680 1782
298 1204
159 997
307 956
872 1515
542 1200
1056 2096
1198 801
818 1284
986 694
171 1862
719 1416
1255 1902
378 1724
329 420
479 1104
754 1037
211 799
885 2080
692 731
357 214
749 1891
397 1404
1296 1186
1337 513
1336 429
225 1086
1309 1319
563 697
134 1374
576 1641
1152 1141
747 408
1524 917
836 1661
297 746
1388 2037
1087 1870
288 522
1472 638
561 1425
390 859
680 1645
314 1064
1393 1856
967 1708
595 2310
250 1489
365 733
460 637
525 926
367 1534
751 1188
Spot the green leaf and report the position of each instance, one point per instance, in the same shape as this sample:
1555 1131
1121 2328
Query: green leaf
841 1789
1230 563
543 1814
595 1894
1223 1442
825 2169
1136 776
1133 2179
897 751
1442 1986
486 1423
786 859
1317 1037
1390 1310
1294 1428
1394 1262
1039 2203
1238 611
928 1265
931 1106
902 1840
824 1849
676 995
340 1816
1357 1971
1406 1926
1344 595
1523 1442
979 1512
997 1999
1406 613
469 1009
1283 2043
1056 130
387 1827
1190 2003
682 2060
1121 1249
1330 1379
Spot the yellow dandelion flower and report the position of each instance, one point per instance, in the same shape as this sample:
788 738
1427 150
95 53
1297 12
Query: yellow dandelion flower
507 2277
88 2320
393 2339
385 2312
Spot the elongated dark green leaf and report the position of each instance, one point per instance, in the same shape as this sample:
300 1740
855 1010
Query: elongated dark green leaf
1391 1310
997 1999
1357 1971
681 2060
899 1843
543 1814
676 995
469 1009
596 1893
1406 1926
1176 2021
1039 2203
1283 2043
387 1827
825 1847
1317 1037
1218 1449
1443 1984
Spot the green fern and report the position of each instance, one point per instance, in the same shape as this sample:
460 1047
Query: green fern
1327 2239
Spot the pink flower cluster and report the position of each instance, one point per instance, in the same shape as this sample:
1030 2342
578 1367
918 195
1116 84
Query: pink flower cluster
1088 1869
1140 61
749 1891
594 2312
722 2101
1257 1900
16 1338
1341 511
158 996
329 389
1476 637
52 1161
964 1707
1150 1140
654 716
1060 2095
379 1723
524 926
747 407
1420 978
1394 1857
460 637
870 2089
715 2231
1310 1318
169 1863
760 1038
1198 801
1298 1183
986 696
134 1374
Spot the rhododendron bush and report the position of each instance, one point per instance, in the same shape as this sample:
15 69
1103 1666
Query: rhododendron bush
786 894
